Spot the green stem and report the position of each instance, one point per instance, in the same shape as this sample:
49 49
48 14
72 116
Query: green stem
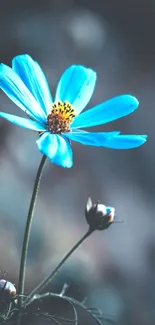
28 229
48 279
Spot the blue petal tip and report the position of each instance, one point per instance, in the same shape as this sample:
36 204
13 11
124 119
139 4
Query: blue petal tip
134 101
144 137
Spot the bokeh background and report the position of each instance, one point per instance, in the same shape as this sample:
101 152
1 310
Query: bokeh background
115 269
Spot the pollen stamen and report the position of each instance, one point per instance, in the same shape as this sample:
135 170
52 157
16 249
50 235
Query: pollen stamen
60 118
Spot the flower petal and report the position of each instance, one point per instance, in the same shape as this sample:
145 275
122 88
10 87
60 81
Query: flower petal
91 138
34 79
15 89
107 139
76 85
56 148
23 122
108 111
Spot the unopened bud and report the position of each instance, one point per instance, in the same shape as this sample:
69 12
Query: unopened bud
7 290
99 216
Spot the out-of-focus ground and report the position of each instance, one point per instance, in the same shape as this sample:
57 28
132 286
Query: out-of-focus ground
115 268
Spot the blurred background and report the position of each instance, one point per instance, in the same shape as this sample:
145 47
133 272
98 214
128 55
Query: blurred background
115 269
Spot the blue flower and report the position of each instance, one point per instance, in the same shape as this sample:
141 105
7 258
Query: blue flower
61 120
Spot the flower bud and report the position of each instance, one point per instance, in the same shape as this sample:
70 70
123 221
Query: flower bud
99 216
7 290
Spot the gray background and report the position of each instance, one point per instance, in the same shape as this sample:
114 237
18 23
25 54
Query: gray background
115 268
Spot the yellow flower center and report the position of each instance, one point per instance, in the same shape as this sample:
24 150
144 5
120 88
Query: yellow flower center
60 118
